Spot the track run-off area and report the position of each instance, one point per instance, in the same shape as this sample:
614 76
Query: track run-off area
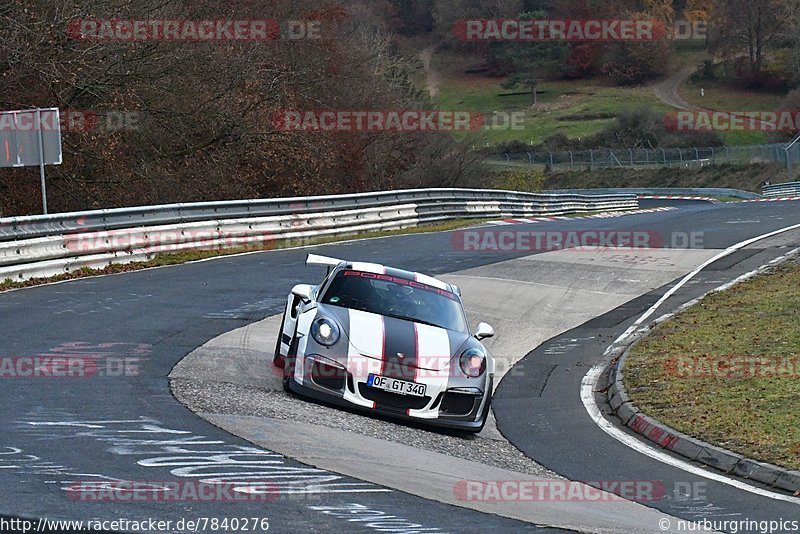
195 397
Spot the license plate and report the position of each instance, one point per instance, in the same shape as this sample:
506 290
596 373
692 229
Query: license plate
395 385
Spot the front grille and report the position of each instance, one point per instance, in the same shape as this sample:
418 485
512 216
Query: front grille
384 399
458 403
328 376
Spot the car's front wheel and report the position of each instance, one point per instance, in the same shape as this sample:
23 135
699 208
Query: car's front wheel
278 359
288 365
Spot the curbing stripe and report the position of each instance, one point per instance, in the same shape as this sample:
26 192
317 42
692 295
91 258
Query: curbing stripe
603 215
677 197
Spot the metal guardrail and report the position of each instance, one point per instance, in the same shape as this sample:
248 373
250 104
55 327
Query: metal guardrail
655 191
47 245
786 189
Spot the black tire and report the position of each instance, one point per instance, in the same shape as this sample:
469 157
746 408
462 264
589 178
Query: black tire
278 359
288 367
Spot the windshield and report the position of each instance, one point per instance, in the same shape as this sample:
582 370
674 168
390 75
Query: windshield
396 297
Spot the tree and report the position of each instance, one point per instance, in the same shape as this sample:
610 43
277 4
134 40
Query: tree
205 109
698 10
749 26
635 63
446 13
532 61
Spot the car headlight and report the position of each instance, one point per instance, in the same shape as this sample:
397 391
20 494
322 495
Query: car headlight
473 362
325 331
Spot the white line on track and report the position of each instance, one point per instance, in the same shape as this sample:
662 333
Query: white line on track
589 385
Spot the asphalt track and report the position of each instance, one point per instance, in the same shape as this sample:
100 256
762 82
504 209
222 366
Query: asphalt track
58 431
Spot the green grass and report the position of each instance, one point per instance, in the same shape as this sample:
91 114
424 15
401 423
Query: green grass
689 52
722 96
560 109
754 415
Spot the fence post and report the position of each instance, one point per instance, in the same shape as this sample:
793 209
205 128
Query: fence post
570 158
697 155
591 159
680 155
630 153
646 157
530 161
551 159
664 155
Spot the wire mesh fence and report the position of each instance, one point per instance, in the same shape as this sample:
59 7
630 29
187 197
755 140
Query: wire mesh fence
787 155
793 158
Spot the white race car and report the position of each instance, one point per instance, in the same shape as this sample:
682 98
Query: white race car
386 340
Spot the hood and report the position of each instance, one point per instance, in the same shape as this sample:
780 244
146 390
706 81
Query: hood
415 345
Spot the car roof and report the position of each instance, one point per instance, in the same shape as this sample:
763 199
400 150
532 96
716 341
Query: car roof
377 268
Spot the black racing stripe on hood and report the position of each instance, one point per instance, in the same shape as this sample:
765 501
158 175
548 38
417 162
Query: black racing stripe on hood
400 337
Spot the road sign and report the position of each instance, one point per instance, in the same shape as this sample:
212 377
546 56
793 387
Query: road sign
31 137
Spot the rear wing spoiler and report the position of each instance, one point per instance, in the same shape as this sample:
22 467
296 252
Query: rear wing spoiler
325 261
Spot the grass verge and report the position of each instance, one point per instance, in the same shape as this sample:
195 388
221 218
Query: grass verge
574 108
726 370
744 177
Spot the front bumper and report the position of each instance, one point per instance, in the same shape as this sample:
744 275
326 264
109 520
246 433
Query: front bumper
444 405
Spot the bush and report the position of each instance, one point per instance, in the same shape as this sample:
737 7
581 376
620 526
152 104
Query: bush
644 128
635 63
509 147
530 180
705 72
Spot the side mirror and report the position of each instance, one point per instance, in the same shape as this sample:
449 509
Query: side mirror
303 292
484 330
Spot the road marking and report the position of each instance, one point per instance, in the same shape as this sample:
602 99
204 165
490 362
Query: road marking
589 384
727 252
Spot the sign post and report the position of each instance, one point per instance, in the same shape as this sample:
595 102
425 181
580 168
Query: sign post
41 160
